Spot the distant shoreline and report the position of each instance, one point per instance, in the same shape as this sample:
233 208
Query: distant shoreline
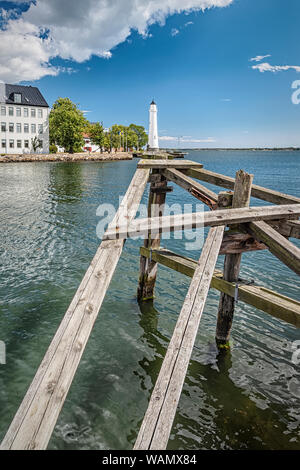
253 149
67 157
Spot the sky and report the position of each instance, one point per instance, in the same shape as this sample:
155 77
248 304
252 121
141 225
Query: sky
224 73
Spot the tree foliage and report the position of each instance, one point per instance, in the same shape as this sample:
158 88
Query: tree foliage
66 125
97 134
141 135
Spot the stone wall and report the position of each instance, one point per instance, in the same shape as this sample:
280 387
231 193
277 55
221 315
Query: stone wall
66 157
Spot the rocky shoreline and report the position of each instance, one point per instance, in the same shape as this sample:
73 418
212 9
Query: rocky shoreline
66 157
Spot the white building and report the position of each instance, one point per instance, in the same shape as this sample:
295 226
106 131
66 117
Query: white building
153 134
24 120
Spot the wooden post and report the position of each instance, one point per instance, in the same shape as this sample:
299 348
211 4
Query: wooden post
241 198
148 267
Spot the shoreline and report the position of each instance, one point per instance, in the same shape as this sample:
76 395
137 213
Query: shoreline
253 149
67 157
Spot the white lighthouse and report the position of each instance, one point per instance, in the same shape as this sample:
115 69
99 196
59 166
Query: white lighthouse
153 134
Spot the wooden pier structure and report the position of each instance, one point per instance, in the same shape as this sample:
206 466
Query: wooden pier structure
235 228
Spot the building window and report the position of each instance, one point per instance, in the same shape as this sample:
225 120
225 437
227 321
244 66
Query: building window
11 144
10 111
41 128
32 113
18 127
18 112
3 111
3 126
40 113
41 143
33 128
17 97
3 143
26 128
19 144
26 144
25 112
11 127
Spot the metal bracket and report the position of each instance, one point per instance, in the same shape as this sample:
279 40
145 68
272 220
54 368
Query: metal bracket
236 293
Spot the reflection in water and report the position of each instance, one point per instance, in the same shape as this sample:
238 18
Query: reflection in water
66 181
47 241
233 420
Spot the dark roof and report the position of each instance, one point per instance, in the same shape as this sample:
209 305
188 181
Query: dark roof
153 102
30 95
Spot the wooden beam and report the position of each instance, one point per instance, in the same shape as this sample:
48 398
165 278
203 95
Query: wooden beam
294 226
282 248
275 197
276 305
160 164
232 262
177 222
156 427
36 417
193 187
234 243
148 268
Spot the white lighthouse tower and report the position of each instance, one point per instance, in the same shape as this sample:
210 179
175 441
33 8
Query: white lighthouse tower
153 134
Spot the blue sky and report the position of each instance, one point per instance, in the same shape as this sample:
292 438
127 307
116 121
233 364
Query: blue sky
196 65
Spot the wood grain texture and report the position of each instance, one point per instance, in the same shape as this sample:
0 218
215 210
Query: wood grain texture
241 198
156 427
266 194
168 164
266 300
199 219
278 245
35 419
148 268
193 187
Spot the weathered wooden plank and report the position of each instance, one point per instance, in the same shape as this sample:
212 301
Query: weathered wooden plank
275 197
156 427
294 226
234 243
232 262
168 164
140 227
34 421
193 187
276 305
282 248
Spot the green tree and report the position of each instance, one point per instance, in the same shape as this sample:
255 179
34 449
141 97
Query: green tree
116 136
66 125
36 143
96 133
106 142
141 135
131 138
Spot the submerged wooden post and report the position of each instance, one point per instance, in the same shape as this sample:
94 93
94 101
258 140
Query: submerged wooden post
241 198
148 267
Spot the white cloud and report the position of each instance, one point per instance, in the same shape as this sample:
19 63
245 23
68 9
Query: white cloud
226 99
258 58
266 67
77 30
188 23
174 32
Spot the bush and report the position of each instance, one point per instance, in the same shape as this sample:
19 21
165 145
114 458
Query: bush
53 148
